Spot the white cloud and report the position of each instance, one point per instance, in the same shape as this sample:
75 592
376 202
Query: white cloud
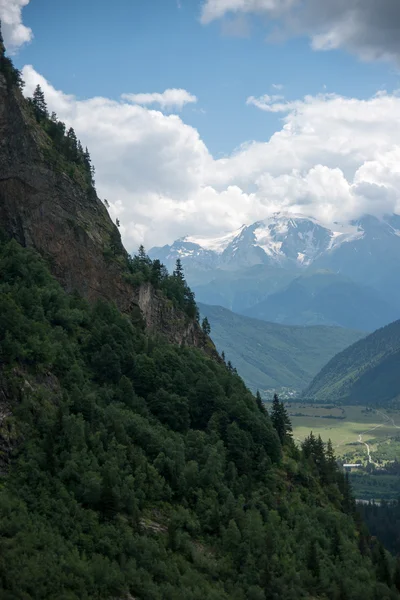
269 103
170 99
370 28
215 9
15 33
334 158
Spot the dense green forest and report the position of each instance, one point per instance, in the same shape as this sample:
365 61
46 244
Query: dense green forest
365 373
271 355
383 521
131 464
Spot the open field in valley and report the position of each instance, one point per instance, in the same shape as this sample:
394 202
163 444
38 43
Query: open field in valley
362 435
344 424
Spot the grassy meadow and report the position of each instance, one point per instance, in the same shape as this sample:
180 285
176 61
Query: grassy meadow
344 424
379 475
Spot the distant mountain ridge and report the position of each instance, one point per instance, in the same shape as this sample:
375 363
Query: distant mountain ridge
326 298
365 373
259 270
271 356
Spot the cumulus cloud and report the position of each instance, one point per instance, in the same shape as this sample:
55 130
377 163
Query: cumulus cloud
170 99
15 33
370 29
334 158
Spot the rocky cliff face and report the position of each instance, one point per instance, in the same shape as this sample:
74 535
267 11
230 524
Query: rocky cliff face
44 206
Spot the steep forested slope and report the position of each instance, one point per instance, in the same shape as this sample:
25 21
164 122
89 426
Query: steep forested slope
133 464
367 372
270 355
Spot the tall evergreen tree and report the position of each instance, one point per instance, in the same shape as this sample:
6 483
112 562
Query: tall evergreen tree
72 145
280 420
178 272
39 104
308 446
206 327
260 403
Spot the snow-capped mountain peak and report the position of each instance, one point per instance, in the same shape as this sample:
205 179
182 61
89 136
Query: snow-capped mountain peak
281 239
288 236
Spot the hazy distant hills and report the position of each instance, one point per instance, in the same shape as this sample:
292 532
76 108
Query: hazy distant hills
291 269
368 372
328 298
269 355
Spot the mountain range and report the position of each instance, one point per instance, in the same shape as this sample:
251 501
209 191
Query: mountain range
290 268
271 356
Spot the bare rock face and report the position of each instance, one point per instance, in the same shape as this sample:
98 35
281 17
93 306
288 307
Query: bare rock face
45 207
176 325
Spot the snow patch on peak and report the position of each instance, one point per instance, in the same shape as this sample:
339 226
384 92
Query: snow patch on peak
264 239
214 244
300 257
348 233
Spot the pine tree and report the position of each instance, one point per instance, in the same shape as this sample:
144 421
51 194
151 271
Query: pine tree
39 104
330 456
72 145
142 256
308 446
190 303
158 273
88 166
319 455
178 273
260 403
280 420
206 327
330 463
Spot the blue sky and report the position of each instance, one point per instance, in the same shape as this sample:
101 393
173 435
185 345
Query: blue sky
218 145
92 47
